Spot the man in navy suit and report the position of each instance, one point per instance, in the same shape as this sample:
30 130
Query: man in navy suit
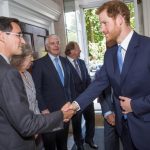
130 81
81 80
51 75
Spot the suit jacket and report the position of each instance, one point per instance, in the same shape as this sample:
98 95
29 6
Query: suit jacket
51 94
18 124
79 84
106 101
134 82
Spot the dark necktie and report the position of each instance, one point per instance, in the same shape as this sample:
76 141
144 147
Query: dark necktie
77 68
59 70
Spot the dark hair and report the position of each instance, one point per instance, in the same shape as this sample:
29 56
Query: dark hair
70 46
17 60
114 8
5 23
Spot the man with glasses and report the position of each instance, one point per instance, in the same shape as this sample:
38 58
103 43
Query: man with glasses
19 35
18 124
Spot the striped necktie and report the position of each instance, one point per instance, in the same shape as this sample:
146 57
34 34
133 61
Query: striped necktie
77 68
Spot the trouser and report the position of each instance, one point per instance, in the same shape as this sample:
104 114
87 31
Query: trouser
111 138
126 137
56 139
89 117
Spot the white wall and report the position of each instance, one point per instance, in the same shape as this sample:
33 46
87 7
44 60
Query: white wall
41 13
146 17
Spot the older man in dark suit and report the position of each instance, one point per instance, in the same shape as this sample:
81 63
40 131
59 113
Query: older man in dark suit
18 124
52 78
81 80
127 70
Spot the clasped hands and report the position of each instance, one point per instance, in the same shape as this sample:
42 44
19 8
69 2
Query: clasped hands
68 111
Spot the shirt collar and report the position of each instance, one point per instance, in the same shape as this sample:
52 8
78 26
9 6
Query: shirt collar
6 59
70 59
52 57
124 44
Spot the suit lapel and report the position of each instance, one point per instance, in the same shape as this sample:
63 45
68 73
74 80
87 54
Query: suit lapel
49 64
74 72
81 69
73 69
2 60
115 65
64 69
130 56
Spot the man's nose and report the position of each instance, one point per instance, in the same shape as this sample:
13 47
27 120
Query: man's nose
22 40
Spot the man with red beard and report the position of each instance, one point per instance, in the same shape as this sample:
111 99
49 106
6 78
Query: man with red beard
127 70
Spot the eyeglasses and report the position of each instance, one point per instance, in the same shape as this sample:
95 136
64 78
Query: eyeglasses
19 35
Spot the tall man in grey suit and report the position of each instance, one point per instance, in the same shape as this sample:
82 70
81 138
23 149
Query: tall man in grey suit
127 70
18 124
52 78
81 80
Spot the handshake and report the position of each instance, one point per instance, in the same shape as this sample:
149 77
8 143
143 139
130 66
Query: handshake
69 109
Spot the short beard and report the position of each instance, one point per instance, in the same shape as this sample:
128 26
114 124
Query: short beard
110 43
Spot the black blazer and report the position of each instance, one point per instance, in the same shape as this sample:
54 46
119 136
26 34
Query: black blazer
79 84
18 124
51 94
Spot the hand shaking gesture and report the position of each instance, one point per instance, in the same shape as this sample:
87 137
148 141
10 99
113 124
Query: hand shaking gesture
67 111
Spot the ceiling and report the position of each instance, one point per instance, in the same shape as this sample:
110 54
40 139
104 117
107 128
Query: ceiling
94 3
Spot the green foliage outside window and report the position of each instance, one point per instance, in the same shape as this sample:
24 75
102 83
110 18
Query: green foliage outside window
95 38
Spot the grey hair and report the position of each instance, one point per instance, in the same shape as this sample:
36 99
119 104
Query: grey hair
47 39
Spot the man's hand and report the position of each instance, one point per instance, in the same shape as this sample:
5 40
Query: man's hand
67 112
71 106
74 106
125 104
46 111
111 119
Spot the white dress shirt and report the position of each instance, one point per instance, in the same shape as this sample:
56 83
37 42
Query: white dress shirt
59 62
7 60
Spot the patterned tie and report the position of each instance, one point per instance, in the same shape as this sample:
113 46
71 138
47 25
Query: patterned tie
59 70
119 56
120 62
77 68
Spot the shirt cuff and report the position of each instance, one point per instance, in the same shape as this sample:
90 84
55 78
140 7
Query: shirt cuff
107 113
76 105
